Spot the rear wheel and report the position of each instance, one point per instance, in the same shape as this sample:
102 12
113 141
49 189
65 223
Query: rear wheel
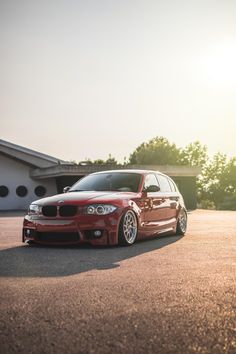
128 229
181 223
31 243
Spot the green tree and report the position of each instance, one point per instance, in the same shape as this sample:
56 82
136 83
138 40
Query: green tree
217 181
157 151
194 154
110 161
98 162
229 200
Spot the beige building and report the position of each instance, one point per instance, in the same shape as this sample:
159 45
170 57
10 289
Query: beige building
17 187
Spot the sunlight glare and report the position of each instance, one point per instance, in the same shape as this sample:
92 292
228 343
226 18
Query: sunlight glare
220 66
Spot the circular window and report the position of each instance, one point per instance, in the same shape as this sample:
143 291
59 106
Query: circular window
21 191
40 191
3 191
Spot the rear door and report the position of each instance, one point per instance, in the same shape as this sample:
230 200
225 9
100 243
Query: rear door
171 197
155 210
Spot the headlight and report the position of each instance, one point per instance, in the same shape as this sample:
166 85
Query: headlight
34 209
100 209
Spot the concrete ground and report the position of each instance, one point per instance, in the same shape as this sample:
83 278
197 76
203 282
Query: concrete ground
166 295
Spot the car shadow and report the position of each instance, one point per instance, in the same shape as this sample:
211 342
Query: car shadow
46 261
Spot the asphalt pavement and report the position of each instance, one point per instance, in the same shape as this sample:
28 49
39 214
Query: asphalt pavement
165 295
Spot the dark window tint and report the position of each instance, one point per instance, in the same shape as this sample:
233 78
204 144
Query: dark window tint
150 180
21 191
40 191
117 181
164 183
4 191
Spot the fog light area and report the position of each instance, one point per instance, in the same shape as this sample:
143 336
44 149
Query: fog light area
97 233
92 234
29 233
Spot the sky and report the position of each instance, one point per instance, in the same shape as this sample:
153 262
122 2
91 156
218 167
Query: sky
86 78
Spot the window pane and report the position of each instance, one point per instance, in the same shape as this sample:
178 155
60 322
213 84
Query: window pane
164 184
172 185
150 180
114 181
21 191
40 191
3 191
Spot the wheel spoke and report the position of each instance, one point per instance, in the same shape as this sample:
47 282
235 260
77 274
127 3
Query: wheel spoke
183 221
130 227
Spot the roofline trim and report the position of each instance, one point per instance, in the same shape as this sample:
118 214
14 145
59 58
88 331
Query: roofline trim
77 170
31 152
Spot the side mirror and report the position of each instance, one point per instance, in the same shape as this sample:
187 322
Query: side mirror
152 189
66 189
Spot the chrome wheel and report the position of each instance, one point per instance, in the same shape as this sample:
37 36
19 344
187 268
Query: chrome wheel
128 228
182 223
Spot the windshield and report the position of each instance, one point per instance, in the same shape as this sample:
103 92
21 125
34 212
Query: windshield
123 182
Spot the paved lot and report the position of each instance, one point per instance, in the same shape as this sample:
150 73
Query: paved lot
167 295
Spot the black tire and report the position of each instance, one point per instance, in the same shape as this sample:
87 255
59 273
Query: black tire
31 243
182 222
128 229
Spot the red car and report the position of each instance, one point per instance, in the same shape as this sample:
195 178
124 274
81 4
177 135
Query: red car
108 208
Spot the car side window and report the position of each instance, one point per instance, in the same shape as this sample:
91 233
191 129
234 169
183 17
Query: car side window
150 180
172 185
164 183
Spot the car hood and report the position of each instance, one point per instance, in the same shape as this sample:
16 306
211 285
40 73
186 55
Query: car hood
81 198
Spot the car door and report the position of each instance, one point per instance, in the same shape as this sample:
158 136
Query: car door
155 213
174 200
171 199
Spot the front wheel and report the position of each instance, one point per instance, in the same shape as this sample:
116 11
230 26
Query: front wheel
181 223
128 229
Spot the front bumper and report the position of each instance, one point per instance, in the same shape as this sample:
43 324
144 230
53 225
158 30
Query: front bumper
96 230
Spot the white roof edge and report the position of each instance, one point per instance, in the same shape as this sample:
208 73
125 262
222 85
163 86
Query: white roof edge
31 152
73 170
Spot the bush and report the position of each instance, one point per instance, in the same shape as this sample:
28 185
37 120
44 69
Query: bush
206 204
228 203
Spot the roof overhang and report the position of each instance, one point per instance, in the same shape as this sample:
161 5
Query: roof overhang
78 170
27 156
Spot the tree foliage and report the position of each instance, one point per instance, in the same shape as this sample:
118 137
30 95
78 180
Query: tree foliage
157 151
217 182
194 154
109 161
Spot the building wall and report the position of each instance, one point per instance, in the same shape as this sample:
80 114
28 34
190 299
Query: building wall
14 174
188 188
65 181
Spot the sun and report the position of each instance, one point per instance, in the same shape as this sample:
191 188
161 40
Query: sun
220 65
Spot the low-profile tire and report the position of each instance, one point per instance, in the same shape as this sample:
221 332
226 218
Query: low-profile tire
182 223
31 243
128 229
